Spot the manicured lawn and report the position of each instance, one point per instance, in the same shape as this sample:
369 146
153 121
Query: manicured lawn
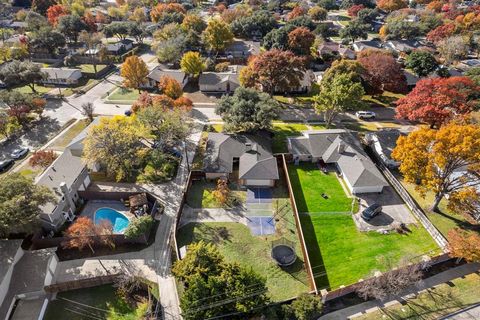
386 99
444 221
308 183
200 195
88 68
102 297
361 126
63 141
435 303
123 94
335 246
38 88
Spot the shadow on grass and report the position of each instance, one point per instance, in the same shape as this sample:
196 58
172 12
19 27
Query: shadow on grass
310 237
463 224
196 232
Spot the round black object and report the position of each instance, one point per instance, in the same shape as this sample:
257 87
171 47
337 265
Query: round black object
284 255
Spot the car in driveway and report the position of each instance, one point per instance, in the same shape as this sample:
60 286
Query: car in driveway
365 114
371 211
5 165
19 153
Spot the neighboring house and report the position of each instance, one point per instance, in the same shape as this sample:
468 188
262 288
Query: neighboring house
406 46
305 84
10 254
120 47
153 78
411 79
382 143
335 49
242 49
221 82
67 175
343 149
250 155
464 65
359 46
61 76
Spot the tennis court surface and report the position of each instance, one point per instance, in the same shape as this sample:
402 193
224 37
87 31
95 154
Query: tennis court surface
259 195
261 225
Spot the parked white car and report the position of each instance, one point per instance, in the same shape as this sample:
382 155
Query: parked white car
365 114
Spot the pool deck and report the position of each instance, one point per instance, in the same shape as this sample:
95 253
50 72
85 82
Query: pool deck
93 205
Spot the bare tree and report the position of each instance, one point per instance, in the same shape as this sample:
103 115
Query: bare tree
87 110
391 283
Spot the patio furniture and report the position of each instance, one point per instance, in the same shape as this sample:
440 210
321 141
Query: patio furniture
138 202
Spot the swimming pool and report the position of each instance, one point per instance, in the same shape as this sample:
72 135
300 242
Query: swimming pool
118 220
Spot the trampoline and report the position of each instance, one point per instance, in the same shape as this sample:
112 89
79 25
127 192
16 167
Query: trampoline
284 255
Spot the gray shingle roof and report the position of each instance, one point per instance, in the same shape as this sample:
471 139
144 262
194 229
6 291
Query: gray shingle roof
254 153
158 72
213 78
60 73
388 140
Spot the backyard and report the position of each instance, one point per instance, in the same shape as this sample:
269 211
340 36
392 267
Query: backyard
339 253
200 195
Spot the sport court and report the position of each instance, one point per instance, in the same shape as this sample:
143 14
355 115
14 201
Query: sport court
259 211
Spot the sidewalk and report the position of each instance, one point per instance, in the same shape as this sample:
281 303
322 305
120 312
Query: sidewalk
369 306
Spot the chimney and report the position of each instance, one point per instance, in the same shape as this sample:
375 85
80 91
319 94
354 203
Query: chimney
66 194
248 147
341 147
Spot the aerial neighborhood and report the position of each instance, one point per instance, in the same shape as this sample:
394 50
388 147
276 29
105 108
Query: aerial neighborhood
239 159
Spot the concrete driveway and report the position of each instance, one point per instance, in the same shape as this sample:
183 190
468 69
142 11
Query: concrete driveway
394 211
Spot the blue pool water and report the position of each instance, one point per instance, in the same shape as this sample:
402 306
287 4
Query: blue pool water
119 221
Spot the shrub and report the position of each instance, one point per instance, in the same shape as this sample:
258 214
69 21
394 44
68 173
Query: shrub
42 158
138 227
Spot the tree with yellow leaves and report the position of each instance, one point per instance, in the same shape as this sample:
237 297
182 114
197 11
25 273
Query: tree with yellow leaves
431 159
115 145
134 70
222 192
218 35
192 64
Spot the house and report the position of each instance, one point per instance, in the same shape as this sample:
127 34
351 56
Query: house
67 175
335 49
342 149
221 82
464 65
250 155
359 46
404 46
153 78
61 76
411 78
120 47
304 86
10 254
382 143
242 49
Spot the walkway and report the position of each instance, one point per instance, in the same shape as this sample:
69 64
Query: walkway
359 309
470 313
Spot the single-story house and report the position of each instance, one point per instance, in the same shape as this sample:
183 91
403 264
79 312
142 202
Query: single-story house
250 154
158 72
242 49
305 84
335 49
61 76
406 46
382 143
222 82
341 148
467 64
120 47
359 46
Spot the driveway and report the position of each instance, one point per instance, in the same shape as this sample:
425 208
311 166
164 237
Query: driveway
394 211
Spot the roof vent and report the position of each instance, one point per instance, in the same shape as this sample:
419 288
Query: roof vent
248 146
341 147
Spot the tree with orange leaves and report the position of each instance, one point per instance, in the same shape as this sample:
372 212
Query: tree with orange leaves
55 12
134 70
162 8
222 192
430 159
170 87
296 12
42 158
183 103
464 244
391 5
84 233
467 203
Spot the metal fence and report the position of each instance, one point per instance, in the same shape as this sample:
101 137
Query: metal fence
412 205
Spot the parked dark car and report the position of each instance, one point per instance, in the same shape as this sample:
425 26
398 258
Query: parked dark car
370 212
19 153
6 164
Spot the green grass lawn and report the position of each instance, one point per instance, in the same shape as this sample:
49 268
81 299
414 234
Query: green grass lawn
334 244
308 183
200 195
101 297
38 88
444 221
435 302
386 99
88 68
63 141
123 94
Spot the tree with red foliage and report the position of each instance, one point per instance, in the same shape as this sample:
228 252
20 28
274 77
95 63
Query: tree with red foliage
296 12
440 33
84 233
42 158
300 40
183 103
353 10
391 5
464 244
383 71
162 8
170 87
277 70
438 100
143 101
165 101
55 12
90 21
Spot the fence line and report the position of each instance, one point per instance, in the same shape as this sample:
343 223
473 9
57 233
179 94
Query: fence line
299 226
412 205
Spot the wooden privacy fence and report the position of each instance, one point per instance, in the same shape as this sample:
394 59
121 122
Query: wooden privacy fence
308 266
81 283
